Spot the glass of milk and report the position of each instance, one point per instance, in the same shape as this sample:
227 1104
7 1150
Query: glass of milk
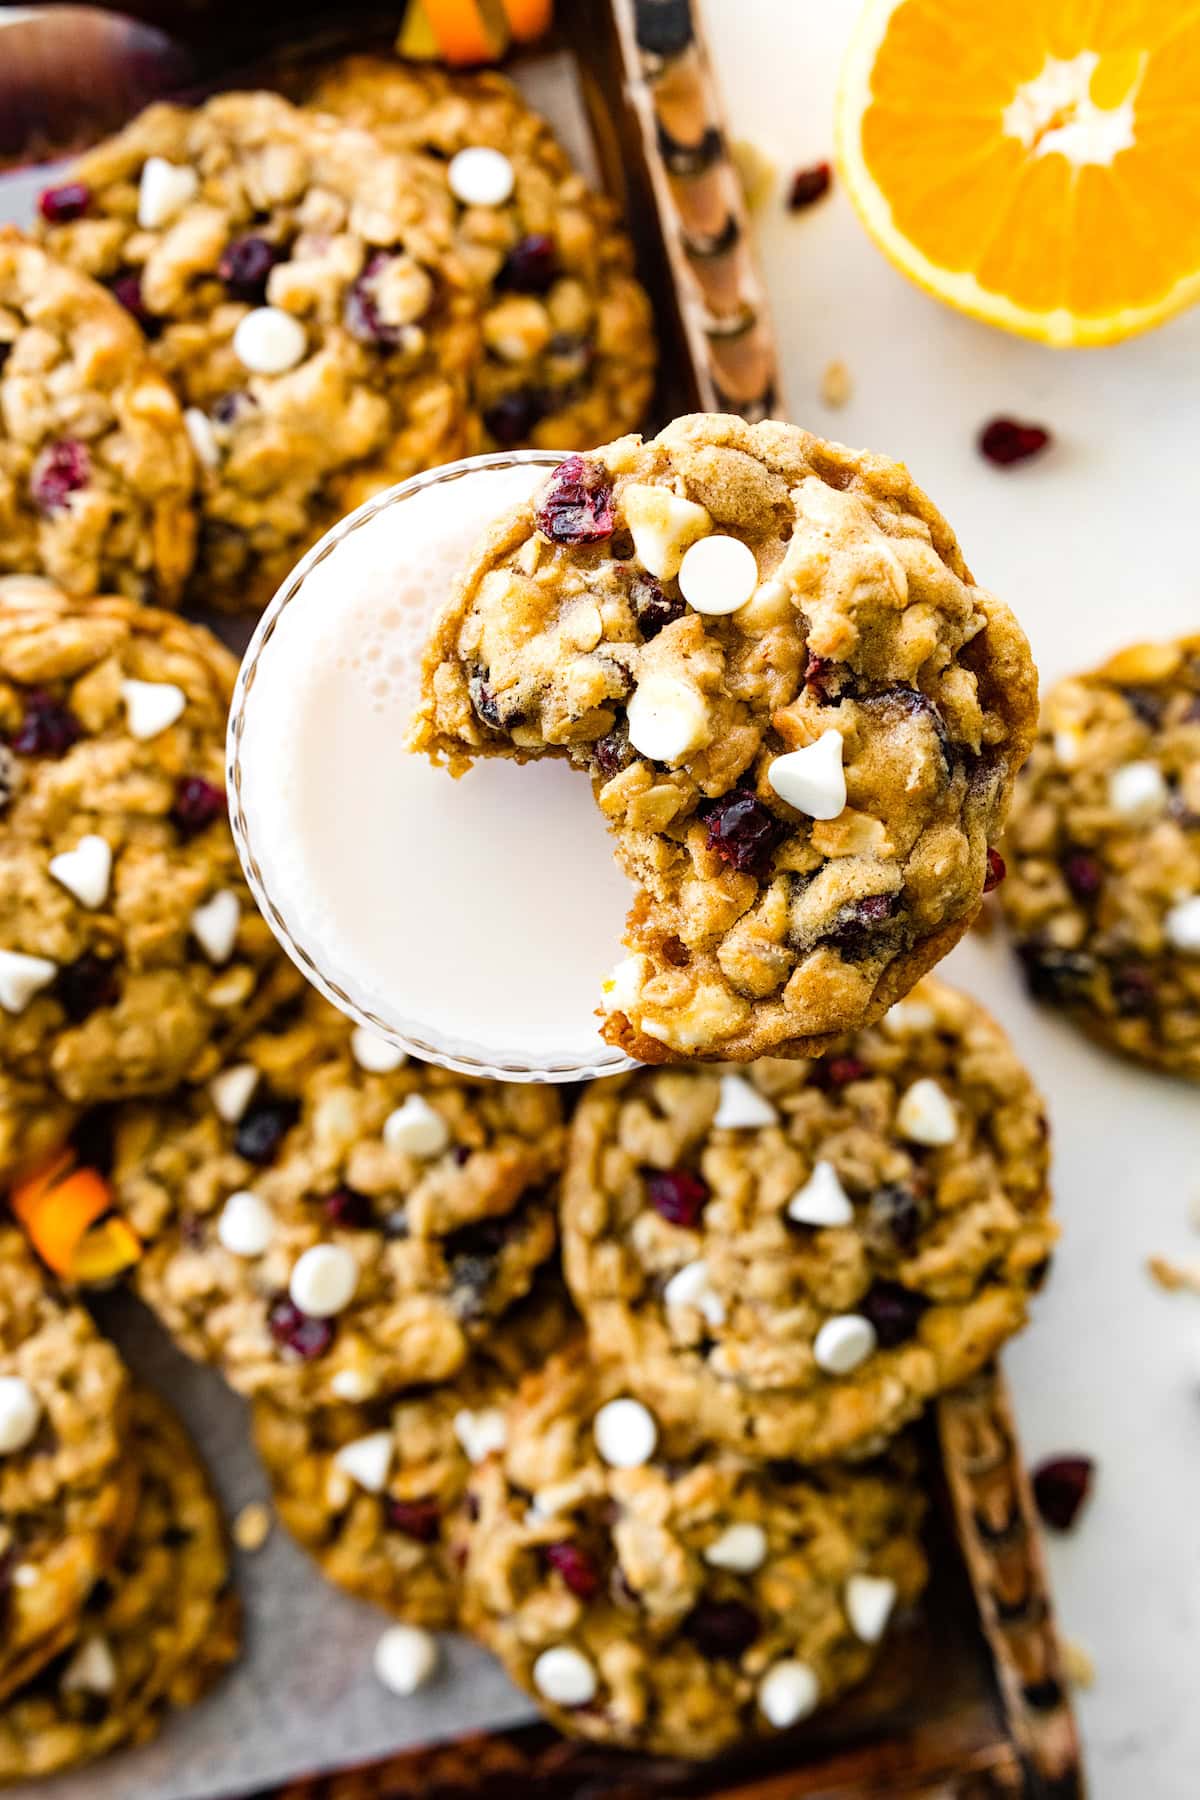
469 922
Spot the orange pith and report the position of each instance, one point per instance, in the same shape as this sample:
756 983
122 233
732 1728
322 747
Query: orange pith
1036 162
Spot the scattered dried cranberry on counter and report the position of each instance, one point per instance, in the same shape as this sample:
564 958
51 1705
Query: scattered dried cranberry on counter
809 185
1060 1486
1008 441
677 1195
576 505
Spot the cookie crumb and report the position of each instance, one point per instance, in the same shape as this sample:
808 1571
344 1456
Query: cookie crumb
1078 1666
1174 1277
837 386
252 1527
755 171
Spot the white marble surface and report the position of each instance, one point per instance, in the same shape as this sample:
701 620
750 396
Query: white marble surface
1094 545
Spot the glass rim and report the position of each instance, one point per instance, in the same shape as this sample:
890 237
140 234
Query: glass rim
488 1063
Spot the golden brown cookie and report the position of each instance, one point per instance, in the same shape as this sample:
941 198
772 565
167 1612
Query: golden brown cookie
795 1259
131 953
801 719
301 291
97 475
328 1231
658 1596
1103 847
374 1492
157 1631
568 335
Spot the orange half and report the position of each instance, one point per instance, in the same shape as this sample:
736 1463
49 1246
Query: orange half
1035 163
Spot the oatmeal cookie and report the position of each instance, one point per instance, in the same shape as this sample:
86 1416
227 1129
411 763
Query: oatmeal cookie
374 1492
131 953
301 291
799 1257
325 1230
97 476
656 1595
1103 889
65 1486
568 335
801 720
157 1631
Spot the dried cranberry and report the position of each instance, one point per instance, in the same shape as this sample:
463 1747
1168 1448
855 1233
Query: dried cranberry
349 1209
486 705
677 1195
419 1519
575 1566
531 266
59 205
576 505
855 931
894 1219
996 871
198 803
1133 990
84 986
128 290
819 673
652 608
809 185
1082 873
1060 1487
60 471
47 729
244 266
1007 441
362 317
722 1629
296 1331
894 1311
613 752
838 1070
510 419
744 833
1060 977
263 1127
1147 703
226 407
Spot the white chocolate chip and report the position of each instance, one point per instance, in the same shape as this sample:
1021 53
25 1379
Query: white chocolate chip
843 1342
21 977
231 1091
663 526
741 1106
718 575
812 779
20 1414
91 1670
1068 747
215 925
324 1280
667 717
163 191
405 1658
925 1115
1182 926
869 1603
742 1548
909 1017
787 1693
481 1433
1137 791
564 1676
822 1200
85 871
269 341
622 989
25 1575
416 1128
374 1053
204 438
480 176
351 1385
246 1225
692 1286
150 706
625 1433
367 1460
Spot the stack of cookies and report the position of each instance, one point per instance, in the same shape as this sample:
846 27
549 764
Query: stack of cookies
249 316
